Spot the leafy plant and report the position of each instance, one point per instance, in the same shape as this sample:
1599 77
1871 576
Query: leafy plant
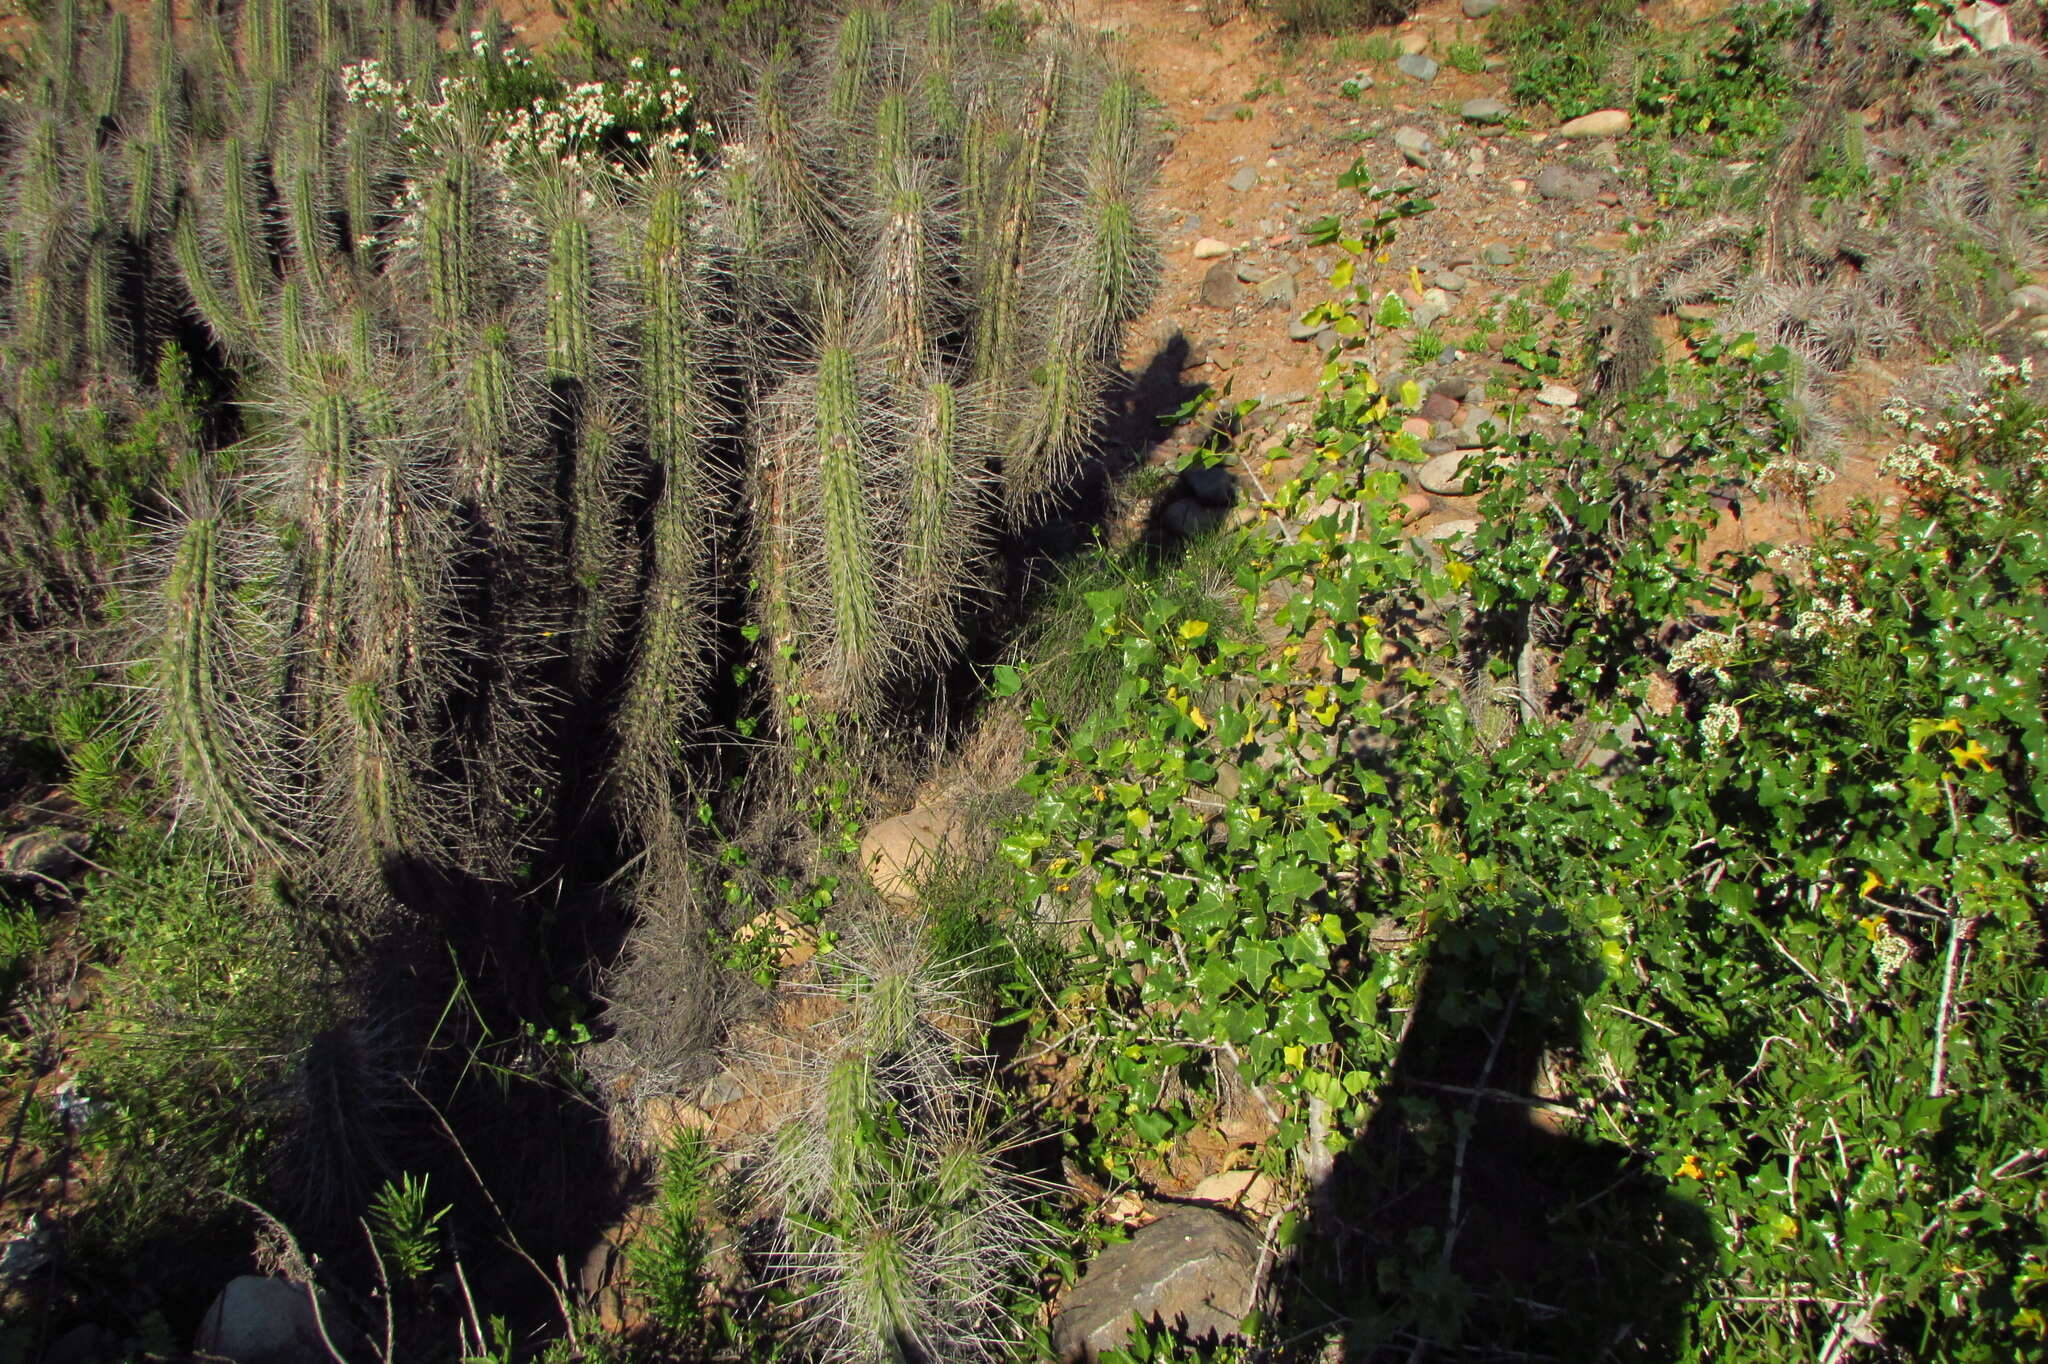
1465 57
1773 886
408 1233
668 1260
1563 52
1426 345
184 1047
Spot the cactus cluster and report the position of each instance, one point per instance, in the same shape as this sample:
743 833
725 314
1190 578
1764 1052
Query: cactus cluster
531 405
897 1208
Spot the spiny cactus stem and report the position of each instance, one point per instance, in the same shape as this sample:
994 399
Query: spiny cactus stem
934 463
487 415
849 542
449 240
906 285
860 36
112 77
1003 275
246 267
569 301
212 306
849 1100
199 713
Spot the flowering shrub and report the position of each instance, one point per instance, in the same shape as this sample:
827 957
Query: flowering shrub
524 118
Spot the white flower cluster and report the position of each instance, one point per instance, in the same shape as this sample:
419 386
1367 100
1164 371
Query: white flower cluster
1721 723
1836 619
1798 479
1707 651
614 129
1892 952
1928 462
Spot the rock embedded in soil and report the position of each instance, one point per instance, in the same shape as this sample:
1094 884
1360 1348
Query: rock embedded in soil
1599 123
1448 475
1247 1189
1298 330
1192 1270
900 849
257 1320
1249 273
1484 112
1497 253
1210 484
1245 180
1418 67
1433 306
1439 406
1278 288
1221 287
1479 9
1456 387
1187 518
1413 144
1451 280
1462 527
1562 183
1209 248
1558 395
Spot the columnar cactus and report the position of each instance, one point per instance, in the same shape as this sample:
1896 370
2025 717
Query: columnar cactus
537 437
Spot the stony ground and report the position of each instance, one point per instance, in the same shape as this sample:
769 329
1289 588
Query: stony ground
1260 129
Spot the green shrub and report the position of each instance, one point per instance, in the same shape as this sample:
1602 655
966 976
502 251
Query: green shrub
1565 53
668 1260
1785 929
204 1000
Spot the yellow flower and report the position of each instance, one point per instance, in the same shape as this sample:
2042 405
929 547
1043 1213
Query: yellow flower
1690 1168
1970 754
1871 881
1193 629
1873 924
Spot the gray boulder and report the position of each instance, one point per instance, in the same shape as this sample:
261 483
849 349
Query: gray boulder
1418 67
1220 287
1192 1270
270 1321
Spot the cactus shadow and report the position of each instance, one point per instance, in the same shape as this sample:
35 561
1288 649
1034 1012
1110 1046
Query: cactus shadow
1470 1219
479 995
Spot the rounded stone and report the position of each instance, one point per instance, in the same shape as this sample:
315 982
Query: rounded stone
1463 527
1446 475
1484 112
1479 9
1599 123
